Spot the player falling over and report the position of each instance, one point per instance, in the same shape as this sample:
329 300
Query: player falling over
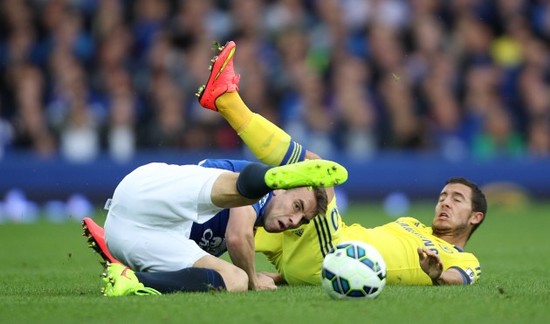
167 225
415 254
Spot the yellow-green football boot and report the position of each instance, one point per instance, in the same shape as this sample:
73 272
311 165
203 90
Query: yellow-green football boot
122 281
314 173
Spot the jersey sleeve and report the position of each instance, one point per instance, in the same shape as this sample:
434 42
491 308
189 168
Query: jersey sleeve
467 265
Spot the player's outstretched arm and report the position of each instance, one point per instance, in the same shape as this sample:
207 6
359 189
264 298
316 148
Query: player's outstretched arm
240 246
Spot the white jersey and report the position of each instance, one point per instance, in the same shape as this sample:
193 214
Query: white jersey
151 214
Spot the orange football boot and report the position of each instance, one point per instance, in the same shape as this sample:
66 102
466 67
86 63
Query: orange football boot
222 77
96 240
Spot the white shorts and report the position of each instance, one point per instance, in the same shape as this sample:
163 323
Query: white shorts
151 214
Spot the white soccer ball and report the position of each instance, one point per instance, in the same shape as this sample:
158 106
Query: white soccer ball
352 270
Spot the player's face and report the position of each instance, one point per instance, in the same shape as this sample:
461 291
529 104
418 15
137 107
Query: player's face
453 210
289 209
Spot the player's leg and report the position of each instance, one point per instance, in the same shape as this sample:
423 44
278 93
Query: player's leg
123 281
160 260
184 269
257 179
145 230
234 277
274 146
188 280
269 143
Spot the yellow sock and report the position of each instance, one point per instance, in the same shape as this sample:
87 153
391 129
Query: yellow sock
268 143
234 110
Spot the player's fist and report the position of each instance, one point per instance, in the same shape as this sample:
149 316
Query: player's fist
262 282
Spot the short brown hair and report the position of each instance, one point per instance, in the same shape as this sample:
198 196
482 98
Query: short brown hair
322 201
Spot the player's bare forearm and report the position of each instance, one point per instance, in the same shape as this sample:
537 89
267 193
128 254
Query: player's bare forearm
432 266
240 243
449 277
241 252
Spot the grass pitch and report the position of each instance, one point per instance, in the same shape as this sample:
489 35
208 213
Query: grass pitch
47 275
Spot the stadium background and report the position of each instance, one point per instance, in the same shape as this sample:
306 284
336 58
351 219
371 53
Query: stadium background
404 93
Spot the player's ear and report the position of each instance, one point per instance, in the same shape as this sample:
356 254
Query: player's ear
476 218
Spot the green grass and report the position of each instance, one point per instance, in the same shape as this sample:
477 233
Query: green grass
47 275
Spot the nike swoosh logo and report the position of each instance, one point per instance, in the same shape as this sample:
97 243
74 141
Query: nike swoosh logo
225 63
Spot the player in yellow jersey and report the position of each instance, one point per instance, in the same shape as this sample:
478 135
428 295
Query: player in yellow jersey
415 254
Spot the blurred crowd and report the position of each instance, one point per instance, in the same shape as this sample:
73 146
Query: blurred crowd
79 78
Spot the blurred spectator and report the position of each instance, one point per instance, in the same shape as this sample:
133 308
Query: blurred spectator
73 109
31 128
120 130
534 93
404 129
539 12
168 124
498 137
445 126
355 106
6 134
539 138
150 17
309 120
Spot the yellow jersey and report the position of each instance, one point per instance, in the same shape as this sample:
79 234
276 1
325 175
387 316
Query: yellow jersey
298 254
398 241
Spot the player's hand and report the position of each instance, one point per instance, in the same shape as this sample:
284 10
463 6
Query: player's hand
430 263
263 282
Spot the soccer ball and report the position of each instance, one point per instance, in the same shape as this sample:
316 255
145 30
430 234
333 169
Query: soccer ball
354 270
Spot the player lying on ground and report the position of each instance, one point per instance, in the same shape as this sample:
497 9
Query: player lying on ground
415 254
170 222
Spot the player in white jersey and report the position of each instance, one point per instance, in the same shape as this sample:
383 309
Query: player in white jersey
168 223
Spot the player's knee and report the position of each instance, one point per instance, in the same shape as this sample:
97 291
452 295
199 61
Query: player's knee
235 279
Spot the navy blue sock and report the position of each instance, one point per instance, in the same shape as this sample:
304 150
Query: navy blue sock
251 183
185 280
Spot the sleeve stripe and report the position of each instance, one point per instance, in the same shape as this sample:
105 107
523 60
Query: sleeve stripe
323 234
294 154
465 278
